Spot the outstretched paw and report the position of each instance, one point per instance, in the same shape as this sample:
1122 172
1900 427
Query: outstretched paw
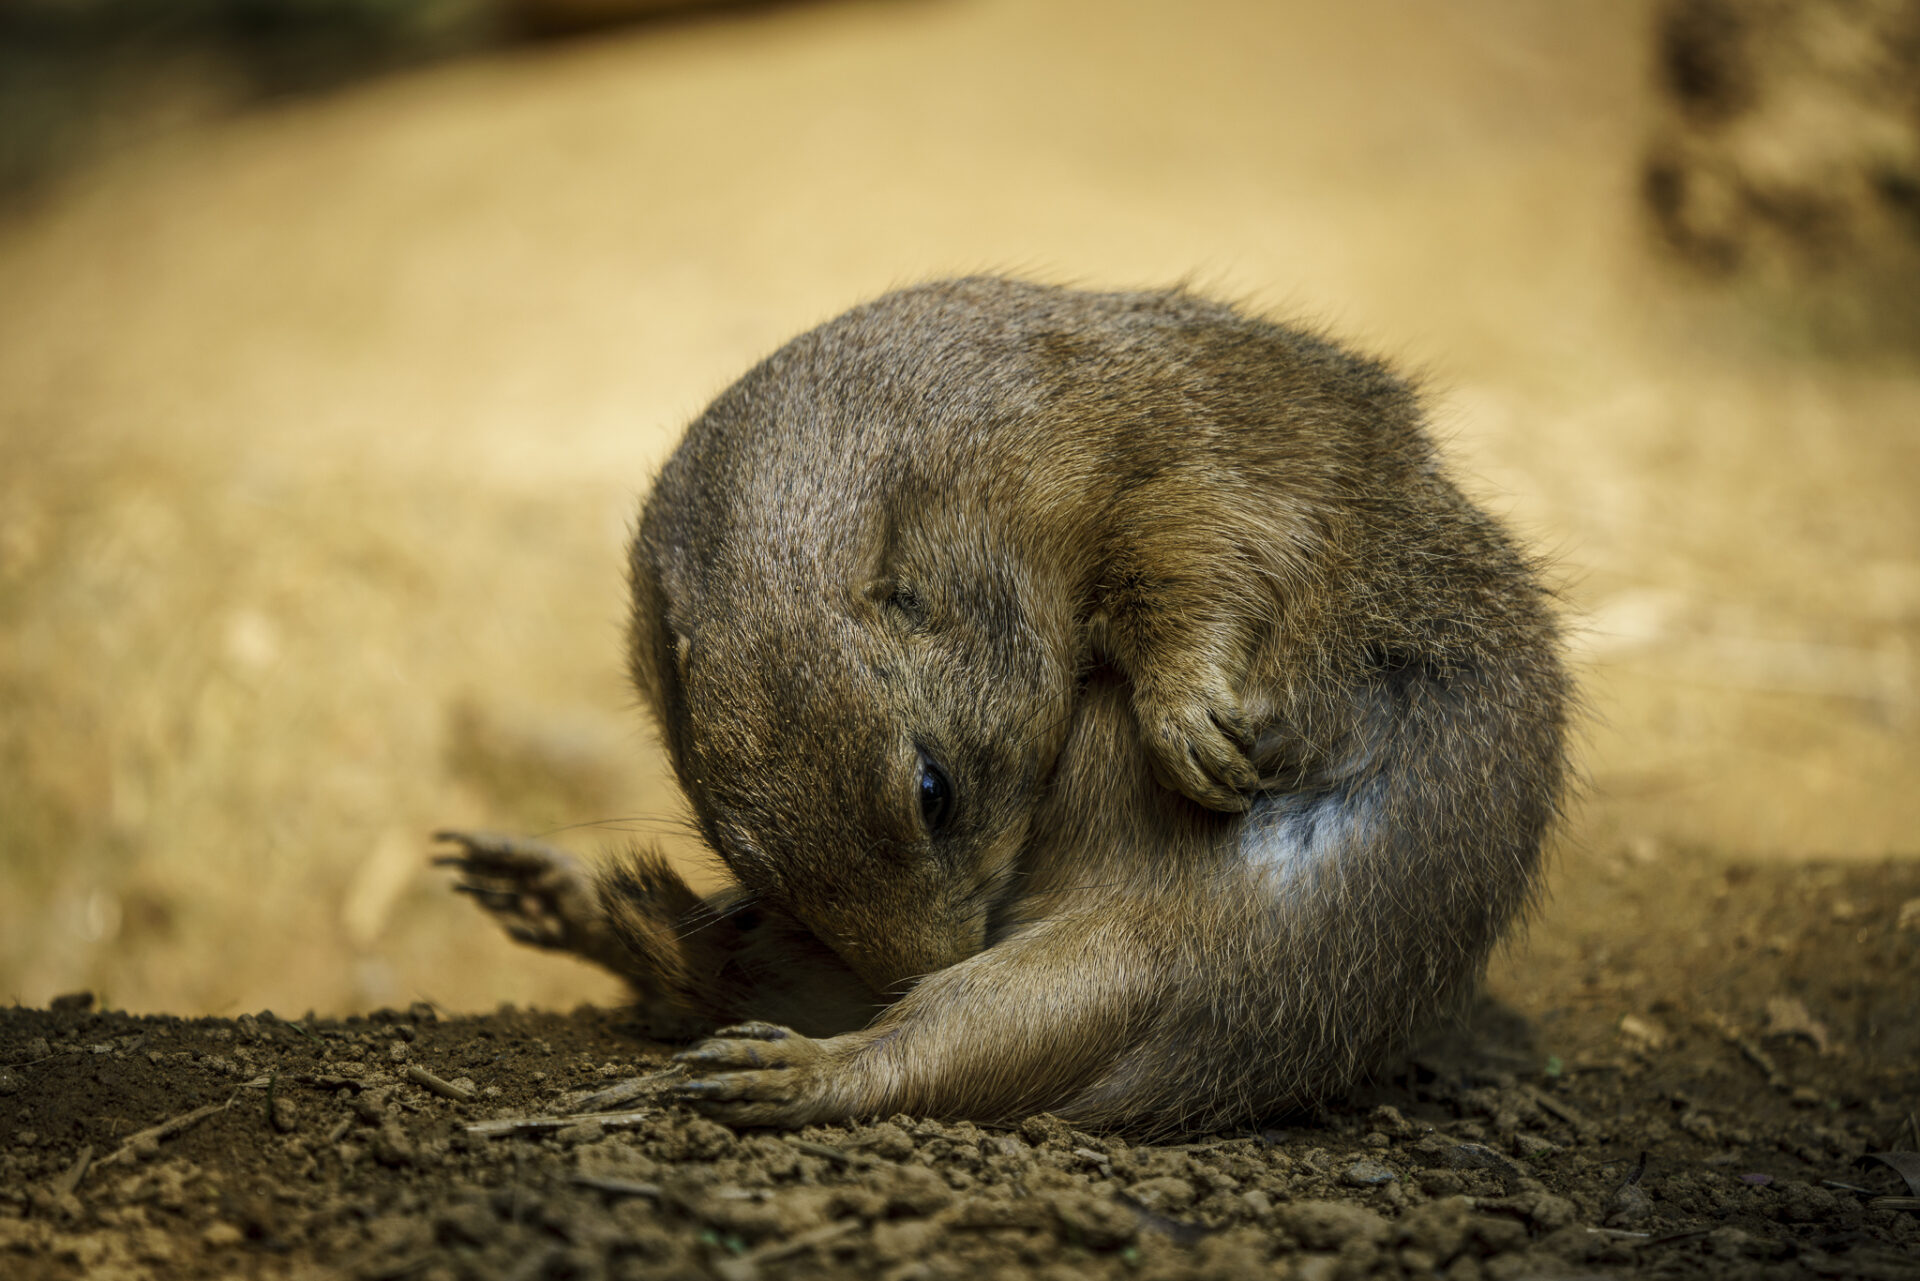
1199 739
540 894
760 1074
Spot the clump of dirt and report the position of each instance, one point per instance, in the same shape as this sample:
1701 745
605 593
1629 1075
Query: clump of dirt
1702 1099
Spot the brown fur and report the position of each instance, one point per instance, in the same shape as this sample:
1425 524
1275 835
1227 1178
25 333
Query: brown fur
1124 565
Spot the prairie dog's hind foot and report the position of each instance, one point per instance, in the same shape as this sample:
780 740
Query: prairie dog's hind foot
540 894
624 920
689 963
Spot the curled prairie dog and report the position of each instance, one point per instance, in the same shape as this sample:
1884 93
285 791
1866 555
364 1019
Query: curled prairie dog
1104 704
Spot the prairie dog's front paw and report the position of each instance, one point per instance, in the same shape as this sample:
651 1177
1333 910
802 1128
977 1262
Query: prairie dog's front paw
1198 739
761 1074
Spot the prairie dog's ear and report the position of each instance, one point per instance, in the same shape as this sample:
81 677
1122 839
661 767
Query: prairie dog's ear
875 549
888 586
1099 636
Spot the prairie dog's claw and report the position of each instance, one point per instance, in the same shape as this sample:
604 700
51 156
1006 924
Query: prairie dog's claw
756 1031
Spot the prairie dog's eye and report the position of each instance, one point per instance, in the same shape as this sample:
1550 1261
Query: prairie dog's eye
936 796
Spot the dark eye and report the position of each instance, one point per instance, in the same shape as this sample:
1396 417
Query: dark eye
936 796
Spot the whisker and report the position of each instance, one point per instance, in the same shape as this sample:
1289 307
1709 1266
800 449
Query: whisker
629 823
706 914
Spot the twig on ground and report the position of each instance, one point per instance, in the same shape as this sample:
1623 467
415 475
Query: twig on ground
821 1150
75 1172
1565 1111
437 1085
164 1130
609 1099
618 1187
747 1266
542 1124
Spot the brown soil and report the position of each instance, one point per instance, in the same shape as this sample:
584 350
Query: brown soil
1694 1101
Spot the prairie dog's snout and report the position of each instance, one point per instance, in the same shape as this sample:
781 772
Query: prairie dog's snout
1102 703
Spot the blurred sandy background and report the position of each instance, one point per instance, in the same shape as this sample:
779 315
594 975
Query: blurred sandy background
321 426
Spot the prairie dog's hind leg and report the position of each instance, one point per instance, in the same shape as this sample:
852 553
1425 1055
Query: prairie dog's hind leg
625 919
693 963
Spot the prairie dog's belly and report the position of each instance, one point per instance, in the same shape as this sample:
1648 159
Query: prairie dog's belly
1290 834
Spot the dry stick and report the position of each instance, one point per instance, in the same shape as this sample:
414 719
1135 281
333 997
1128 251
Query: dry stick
165 1130
1565 1111
821 1150
1207 1145
618 1187
811 1237
437 1085
75 1172
542 1124
47 1058
747 1265
624 1092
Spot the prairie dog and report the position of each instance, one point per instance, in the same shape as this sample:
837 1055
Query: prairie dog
1103 703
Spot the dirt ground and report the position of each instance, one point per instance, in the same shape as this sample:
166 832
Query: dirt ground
321 427
1697 1105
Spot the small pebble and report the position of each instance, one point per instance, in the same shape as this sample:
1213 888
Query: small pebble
1629 1206
1367 1174
1533 1147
